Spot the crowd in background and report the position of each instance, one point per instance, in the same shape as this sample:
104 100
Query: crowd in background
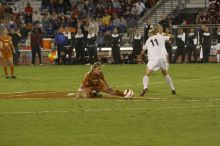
94 24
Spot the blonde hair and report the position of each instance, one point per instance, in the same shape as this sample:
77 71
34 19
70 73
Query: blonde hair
95 65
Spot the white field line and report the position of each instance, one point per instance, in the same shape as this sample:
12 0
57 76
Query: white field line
107 109
29 93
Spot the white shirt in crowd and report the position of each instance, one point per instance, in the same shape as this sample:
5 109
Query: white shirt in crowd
182 36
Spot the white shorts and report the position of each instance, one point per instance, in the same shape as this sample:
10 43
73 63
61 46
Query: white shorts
158 64
218 46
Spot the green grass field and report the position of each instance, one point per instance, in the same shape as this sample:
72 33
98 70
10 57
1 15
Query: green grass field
190 118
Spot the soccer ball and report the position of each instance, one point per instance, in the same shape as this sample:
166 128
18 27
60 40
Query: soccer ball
128 94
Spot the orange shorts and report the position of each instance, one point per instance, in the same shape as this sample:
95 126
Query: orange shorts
6 54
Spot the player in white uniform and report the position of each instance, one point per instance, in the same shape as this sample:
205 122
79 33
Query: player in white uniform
157 58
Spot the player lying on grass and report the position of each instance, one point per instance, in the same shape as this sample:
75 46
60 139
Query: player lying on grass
157 56
95 82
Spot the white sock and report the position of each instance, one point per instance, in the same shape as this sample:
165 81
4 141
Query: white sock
169 81
218 58
145 81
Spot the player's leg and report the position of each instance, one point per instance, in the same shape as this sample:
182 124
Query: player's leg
168 80
4 64
146 81
103 88
11 63
84 93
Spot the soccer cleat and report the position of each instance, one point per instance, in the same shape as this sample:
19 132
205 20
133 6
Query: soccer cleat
143 92
13 77
7 77
173 92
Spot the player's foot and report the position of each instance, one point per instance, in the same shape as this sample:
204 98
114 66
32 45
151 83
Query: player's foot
7 77
173 92
143 92
96 94
13 77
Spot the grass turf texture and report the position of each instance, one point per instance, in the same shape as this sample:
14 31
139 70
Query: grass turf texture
190 118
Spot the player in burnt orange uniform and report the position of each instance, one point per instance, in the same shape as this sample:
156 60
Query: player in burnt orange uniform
6 49
94 82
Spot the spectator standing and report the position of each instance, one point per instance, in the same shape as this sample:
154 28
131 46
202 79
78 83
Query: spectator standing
93 25
92 46
131 24
191 45
60 41
16 37
164 22
135 11
137 44
168 45
147 28
206 44
36 44
79 43
218 45
141 7
37 18
180 41
116 42
68 47
28 13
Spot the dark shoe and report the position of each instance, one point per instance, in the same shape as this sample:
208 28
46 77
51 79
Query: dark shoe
7 77
143 92
173 92
13 77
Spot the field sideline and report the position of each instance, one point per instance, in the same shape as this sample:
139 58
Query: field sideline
36 108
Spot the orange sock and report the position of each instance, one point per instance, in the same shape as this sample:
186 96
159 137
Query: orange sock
12 70
119 93
5 70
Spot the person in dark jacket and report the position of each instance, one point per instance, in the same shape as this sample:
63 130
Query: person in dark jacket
16 37
206 44
180 42
115 43
218 45
92 46
191 45
137 44
79 43
36 44
147 28
168 45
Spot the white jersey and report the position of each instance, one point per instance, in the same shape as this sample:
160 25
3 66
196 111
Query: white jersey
155 45
157 54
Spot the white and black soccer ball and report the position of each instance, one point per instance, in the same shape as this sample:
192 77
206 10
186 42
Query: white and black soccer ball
128 94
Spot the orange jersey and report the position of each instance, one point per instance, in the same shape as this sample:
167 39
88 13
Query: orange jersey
92 79
5 40
6 49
